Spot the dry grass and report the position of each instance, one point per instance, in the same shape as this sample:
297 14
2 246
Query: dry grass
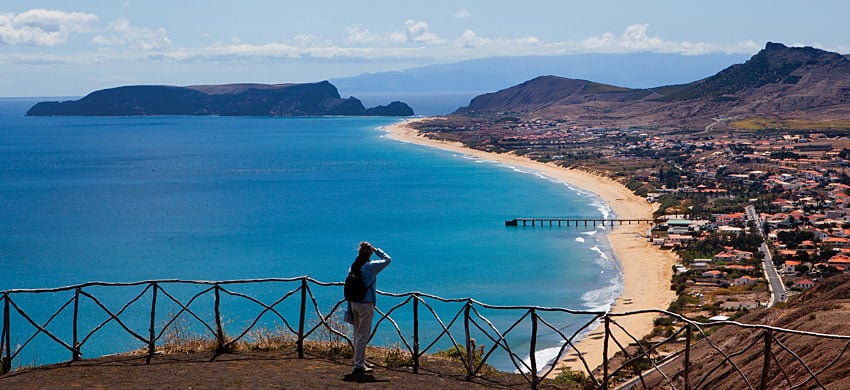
755 124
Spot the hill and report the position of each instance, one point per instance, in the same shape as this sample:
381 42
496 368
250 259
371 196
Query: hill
778 82
634 70
441 89
824 309
227 100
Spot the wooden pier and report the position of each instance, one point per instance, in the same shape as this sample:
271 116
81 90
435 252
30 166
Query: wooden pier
575 221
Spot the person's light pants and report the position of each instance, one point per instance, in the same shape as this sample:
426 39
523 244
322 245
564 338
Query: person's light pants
363 313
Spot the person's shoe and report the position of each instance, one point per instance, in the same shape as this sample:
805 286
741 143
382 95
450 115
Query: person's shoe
359 375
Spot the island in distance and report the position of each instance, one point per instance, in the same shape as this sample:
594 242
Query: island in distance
306 99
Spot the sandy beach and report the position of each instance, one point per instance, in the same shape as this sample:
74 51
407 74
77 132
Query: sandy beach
646 269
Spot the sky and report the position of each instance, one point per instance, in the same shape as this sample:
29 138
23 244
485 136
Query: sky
73 47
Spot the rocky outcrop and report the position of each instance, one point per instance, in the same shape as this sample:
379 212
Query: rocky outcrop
313 99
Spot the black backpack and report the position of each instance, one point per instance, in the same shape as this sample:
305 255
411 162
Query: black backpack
355 288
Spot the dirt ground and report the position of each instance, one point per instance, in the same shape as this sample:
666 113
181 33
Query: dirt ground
243 370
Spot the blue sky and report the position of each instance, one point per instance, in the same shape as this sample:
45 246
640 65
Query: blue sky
69 48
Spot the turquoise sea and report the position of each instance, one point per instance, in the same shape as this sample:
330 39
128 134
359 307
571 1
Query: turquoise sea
121 199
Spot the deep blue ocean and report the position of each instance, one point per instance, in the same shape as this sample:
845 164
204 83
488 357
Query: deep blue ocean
120 199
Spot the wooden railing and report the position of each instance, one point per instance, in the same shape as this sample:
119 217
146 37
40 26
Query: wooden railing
464 313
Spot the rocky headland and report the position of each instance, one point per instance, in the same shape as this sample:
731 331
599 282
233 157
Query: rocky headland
308 99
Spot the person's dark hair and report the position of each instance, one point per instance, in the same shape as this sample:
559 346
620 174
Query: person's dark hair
363 254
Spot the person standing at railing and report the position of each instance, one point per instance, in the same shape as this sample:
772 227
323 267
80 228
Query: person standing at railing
360 312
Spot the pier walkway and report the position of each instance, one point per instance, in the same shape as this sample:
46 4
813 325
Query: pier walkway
575 221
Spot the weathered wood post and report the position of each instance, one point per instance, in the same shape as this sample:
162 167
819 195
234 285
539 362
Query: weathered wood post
300 343
75 346
532 348
687 362
151 329
415 333
219 331
6 364
765 369
470 362
605 351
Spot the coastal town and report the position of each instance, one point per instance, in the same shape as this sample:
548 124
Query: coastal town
701 183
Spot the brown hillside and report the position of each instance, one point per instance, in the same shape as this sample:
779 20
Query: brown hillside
824 310
778 82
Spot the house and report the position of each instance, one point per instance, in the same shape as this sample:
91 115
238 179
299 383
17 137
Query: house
748 305
726 257
742 268
743 255
675 239
744 281
730 230
714 274
699 265
678 226
728 219
839 261
836 242
790 266
804 283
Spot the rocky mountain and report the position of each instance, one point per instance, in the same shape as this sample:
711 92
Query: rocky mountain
227 100
778 82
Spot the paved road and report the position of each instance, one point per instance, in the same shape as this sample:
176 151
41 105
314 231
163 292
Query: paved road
777 287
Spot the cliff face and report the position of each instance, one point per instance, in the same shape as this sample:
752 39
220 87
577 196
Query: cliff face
312 99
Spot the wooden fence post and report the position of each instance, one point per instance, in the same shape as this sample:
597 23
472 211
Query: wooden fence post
219 332
151 330
415 333
532 348
75 351
605 351
687 368
6 364
765 369
301 318
470 363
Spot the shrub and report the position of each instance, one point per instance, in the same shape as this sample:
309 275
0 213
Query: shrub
396 358
574 378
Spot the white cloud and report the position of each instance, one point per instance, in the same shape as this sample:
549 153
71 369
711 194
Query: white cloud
360 35
121 42
636 39
43 27
121 33
462 14
419 32
414 32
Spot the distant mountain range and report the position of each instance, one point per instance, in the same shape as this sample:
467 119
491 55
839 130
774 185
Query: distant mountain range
778 82
441 89
227 100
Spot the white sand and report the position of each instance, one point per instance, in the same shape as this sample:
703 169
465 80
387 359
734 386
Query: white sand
646 270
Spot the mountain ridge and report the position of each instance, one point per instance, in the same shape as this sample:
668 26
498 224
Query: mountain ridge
778 81
307 99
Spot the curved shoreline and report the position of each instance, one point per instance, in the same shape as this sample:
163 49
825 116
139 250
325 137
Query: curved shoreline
646 270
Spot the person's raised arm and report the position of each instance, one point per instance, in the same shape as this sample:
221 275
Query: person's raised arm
383 259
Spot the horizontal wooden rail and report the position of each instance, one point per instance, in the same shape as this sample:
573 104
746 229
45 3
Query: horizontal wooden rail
468 314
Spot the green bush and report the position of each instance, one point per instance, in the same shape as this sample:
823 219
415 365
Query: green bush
574 379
